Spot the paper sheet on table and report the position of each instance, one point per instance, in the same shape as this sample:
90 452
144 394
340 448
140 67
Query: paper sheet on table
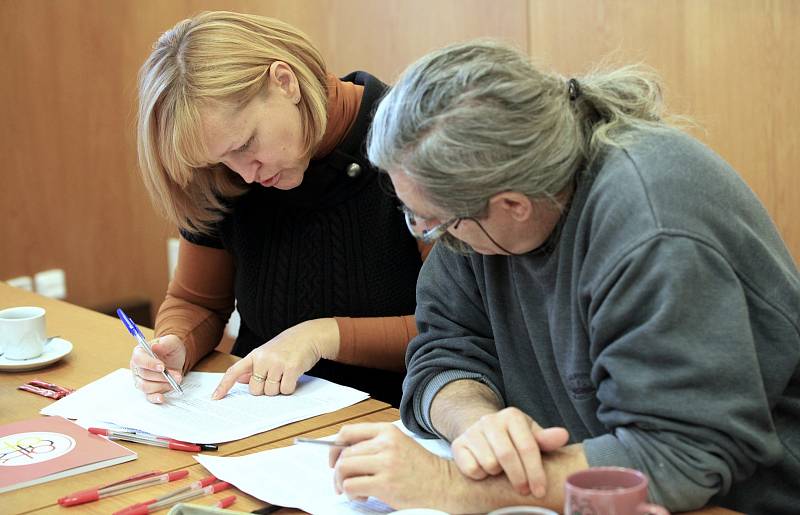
298 476
194 417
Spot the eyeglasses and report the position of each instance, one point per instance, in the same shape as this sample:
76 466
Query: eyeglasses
427 235
437 231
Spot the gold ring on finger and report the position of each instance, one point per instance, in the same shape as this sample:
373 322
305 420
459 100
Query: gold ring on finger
259 377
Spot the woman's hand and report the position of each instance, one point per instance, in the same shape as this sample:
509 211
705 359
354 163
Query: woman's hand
508 441
383 462
275 367
171 354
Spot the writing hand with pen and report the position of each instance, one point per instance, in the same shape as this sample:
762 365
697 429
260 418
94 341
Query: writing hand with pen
274 367
147 371
379 460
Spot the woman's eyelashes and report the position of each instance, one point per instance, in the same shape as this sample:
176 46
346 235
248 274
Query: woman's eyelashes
247 145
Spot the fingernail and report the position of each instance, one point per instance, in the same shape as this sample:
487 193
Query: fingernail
215 395
539 491
159 368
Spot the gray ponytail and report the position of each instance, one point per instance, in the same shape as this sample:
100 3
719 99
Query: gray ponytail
474 119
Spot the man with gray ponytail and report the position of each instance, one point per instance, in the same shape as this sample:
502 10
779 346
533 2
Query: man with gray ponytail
606 291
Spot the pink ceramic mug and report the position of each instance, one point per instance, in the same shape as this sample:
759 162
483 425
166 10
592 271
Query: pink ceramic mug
608 491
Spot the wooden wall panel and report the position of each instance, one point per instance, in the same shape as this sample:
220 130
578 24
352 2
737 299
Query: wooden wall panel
731 65
70 195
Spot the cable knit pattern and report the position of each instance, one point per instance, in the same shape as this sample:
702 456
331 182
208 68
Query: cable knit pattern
334 246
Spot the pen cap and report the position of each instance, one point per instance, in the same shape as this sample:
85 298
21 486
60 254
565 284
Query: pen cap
79 498
183 446
225 502
139 509
178 474
218 487
206 481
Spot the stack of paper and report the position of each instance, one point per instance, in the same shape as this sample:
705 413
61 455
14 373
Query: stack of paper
299 477
194 417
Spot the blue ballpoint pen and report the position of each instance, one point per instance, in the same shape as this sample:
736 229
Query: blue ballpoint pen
136 333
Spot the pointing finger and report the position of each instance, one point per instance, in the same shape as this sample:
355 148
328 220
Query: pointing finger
239 368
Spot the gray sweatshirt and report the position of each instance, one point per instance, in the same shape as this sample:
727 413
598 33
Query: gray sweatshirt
660 324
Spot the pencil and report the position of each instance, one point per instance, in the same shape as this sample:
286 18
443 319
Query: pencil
329 443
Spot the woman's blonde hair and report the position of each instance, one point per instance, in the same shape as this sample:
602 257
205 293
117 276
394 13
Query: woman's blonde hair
214 57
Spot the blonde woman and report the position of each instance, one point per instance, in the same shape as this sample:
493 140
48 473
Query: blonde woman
256 153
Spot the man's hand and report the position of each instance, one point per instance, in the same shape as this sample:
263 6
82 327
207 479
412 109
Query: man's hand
383 462
508 441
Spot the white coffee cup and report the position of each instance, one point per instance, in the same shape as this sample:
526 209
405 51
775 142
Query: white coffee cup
22 332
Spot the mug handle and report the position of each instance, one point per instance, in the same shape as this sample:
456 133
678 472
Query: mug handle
651 509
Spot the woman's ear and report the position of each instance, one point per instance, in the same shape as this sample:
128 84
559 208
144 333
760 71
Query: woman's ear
282 76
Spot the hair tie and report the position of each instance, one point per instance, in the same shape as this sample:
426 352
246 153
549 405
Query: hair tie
574 89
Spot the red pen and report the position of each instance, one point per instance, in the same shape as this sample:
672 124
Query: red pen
147 439
224 502
203 446
136 438
144 508
93 494
196 485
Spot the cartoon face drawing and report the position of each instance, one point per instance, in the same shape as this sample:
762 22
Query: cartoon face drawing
33 447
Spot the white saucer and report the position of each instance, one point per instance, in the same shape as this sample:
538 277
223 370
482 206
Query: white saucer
55 349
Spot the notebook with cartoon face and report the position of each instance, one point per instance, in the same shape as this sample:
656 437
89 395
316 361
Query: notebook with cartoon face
46 448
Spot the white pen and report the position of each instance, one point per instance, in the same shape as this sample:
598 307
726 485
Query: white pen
136 333
329 443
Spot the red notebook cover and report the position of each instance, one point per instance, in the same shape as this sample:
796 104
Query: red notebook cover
47 448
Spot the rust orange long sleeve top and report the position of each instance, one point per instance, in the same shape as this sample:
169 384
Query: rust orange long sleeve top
200 297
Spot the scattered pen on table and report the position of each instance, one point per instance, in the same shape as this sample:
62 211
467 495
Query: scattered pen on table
93 494
142 508
157 441
203 446
225 502
329 443
196 485
137 334
145 434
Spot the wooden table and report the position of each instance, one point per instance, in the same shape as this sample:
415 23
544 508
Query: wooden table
101 345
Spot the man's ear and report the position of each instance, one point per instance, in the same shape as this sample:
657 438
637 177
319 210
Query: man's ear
282 76
519 206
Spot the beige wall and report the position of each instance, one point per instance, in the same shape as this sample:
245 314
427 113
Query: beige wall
70 196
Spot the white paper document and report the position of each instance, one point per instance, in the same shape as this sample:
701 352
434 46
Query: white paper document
194 417
298 476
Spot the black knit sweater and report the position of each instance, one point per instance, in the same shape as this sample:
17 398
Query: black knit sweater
336 245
